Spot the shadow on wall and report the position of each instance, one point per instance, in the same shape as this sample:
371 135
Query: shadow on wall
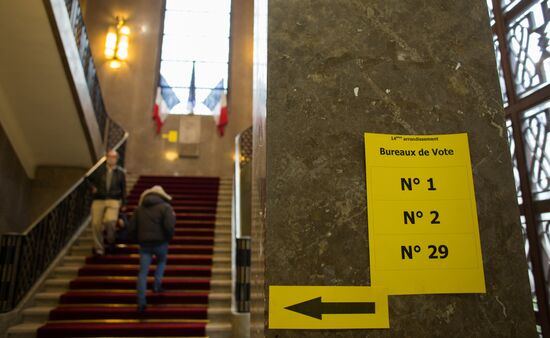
16 189
49 184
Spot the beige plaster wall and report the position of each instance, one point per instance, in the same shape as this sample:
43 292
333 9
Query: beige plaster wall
129 91
49 184
23 200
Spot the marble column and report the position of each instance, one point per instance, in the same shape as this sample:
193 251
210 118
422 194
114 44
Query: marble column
326 72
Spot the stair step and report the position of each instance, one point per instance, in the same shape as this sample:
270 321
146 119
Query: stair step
25 330
40 314
132 270
179 238
134 258
217 284
172 259
181 217
178 249
225 248
191 240
37 314
129 297
183 230
175 190
113 283
80 312
124 329
185 208
219 330
120 297
183 200
74 260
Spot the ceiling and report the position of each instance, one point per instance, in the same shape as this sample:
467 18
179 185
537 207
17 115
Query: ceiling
37 108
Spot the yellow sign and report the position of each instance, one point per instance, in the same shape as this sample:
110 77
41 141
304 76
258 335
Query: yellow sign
328 307
171 136
423 229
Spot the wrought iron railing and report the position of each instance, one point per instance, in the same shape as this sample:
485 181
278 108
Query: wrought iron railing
83 45
115 133
242 281
242 221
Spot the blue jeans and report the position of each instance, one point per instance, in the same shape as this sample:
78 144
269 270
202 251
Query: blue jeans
146 253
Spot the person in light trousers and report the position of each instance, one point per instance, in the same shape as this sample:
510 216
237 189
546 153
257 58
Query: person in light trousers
152 225
108 186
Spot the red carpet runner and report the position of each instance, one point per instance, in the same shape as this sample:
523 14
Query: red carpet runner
101 300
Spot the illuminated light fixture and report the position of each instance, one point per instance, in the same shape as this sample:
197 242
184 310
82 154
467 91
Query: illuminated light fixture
171 155
117 42
115 64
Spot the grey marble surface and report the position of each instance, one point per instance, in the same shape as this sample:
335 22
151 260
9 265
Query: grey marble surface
337 69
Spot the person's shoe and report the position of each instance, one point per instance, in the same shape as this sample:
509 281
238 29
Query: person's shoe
141 307
110 249
96 253
158 290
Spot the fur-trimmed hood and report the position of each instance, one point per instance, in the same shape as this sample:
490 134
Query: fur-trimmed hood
158 190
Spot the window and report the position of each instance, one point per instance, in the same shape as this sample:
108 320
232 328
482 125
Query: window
521 35
195 31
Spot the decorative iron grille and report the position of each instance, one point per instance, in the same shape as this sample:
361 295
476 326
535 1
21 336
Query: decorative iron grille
528 46
535 132
500 72
115 133
514 160
242 284
521 34
245 146
508 5
242 242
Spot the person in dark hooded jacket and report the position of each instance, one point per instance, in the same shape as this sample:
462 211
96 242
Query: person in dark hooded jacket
152 225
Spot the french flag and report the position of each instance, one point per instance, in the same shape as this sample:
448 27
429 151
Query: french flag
216 101
165 100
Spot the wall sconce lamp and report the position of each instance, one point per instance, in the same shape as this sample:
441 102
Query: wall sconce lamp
116 43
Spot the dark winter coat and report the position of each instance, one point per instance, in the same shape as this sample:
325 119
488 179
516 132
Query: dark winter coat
117 189
153 221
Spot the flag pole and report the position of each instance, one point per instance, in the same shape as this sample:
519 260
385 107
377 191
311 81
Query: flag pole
192 93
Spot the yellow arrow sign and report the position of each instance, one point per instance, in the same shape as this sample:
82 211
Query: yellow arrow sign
327 307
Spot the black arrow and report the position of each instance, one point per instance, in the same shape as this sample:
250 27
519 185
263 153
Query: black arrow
316 308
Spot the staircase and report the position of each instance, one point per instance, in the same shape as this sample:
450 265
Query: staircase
95 296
